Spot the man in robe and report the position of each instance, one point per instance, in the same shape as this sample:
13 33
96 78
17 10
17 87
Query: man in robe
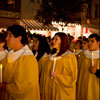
89 85
20 68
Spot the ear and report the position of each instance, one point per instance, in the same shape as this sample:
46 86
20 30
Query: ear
19 38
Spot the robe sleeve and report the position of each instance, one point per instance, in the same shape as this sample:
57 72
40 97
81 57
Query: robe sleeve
25 81
41 62
68 77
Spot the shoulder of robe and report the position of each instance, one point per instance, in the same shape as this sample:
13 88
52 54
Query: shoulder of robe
43 59
27 58
70 56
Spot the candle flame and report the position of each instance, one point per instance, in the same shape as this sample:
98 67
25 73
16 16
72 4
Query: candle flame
1 66
73 50
92 53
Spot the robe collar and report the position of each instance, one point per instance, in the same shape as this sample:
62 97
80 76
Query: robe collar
92 54
52 57
76 52
13 56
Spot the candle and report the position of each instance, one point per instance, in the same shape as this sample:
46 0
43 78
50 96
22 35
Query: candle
92 58
1 73
74 50
54 66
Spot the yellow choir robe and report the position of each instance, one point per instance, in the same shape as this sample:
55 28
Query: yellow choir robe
79 60
88 83
63 87
21 78
78 53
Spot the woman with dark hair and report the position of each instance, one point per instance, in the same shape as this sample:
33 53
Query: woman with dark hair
41 47
20 73
58 72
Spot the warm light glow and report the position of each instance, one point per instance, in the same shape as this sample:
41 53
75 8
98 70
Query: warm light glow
2 29
88 21
74 50
1 66
92 53
77 31
53 22
69 24
86 34
45 33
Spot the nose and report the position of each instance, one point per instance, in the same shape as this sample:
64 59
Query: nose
53 41
7 38
89 43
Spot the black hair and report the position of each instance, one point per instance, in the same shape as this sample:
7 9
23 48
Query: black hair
43 46
85 39
80 42
18 30
96 36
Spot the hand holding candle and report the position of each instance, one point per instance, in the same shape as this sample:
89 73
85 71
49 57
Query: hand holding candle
1 67
93 69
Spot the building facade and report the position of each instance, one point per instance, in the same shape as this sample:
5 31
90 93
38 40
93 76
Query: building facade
93 16
29 8
10 12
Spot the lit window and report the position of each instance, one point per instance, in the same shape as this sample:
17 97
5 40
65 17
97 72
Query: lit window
10 4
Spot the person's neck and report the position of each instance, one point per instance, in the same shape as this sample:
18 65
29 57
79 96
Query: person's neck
2 49
95 49
85 49
58 49
18 47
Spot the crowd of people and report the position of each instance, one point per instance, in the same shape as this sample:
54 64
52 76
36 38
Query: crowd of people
35 67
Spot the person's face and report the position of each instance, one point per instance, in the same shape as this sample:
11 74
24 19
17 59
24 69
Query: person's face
93 44
35 44
85 45
29 39
11 40
77 45
56 42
